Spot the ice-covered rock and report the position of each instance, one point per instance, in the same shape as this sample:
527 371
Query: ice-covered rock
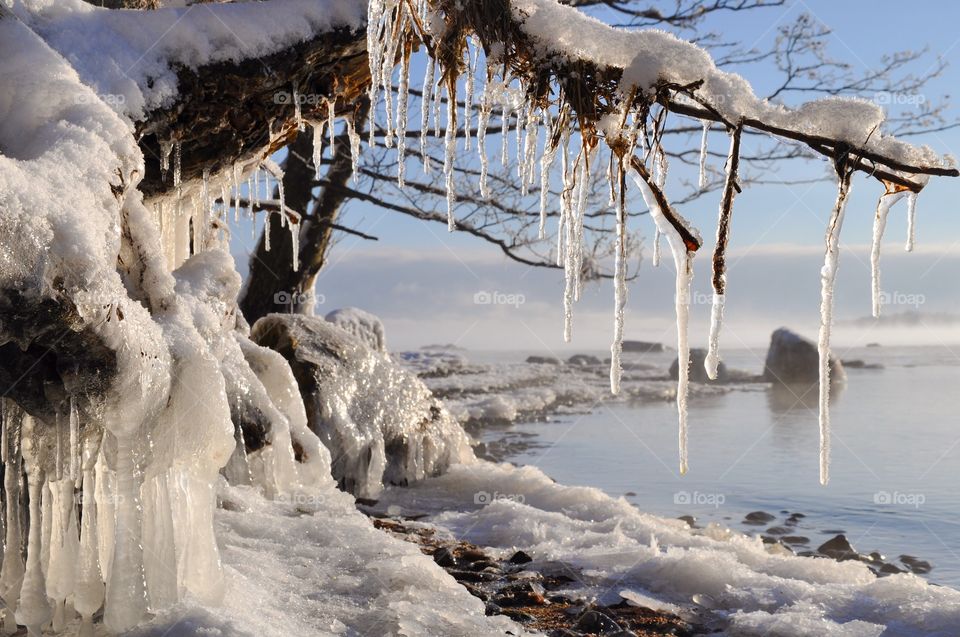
379 421
793 359
367 327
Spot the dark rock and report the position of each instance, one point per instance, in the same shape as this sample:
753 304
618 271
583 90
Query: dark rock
778 530
520 557
630 494
521 594
758 517
873 344
918 566
795 539
594 621
689 519
444 557
890 569
698 374
859 364
472 576
543 360
583 360
794 360
492 609
519 616
473 555
838 548
564 632
642 347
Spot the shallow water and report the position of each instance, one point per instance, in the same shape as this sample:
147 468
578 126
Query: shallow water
895 461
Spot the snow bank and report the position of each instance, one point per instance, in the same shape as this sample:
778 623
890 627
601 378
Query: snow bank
613 546
380 422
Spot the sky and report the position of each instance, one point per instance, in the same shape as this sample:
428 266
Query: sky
430 286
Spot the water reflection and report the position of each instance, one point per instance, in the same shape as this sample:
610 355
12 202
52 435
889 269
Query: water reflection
799 397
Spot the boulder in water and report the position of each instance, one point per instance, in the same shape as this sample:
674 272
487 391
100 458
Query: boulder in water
698 373
642 347
543 360
583 360
794 360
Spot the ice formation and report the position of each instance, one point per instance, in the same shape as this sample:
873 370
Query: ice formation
887 200
658 73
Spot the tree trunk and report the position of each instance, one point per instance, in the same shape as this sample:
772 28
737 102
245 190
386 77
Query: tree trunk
272 285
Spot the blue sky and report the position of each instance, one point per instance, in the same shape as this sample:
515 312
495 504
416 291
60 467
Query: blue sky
422 280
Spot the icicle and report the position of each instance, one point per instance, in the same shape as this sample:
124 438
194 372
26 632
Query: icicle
354 138
619 290
683 261
656 248
471 79
11 576
887 200
529 153
166 147
295 244
425 100
88 589
402 107
828 276
482 123
546 163
318 148
437 99
126 601
569 254
64 549
450 146
522 113
297 109
74 438
703 156
177 160
911 221
33 608
332 121
235 185
712 361
386 78
266 230
504 130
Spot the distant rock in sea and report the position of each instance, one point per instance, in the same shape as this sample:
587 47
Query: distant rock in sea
793 359
584 359
543 360
643 347
698 373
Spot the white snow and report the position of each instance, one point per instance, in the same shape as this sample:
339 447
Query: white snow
362 325
610 546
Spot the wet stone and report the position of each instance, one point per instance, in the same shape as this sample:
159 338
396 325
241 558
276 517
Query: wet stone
520 557
758 517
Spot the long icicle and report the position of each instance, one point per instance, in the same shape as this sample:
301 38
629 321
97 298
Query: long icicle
683 242
425 100
911 221
887 199
828 276
730 188
483 121
402 106
702 185
619 283
450 146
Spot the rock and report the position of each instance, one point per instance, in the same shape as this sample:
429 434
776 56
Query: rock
795 539
890 569
543 360
918 566
838 548
642 347
689 519
583 360
521 594
444 557
520 557
698 374
794 360
594 621
380 422
859 364
758 517
873 344
778 530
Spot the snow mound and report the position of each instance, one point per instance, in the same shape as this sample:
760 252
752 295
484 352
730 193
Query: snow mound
381 424
364 326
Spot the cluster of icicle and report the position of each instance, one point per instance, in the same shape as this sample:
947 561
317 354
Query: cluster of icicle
389 24
196 218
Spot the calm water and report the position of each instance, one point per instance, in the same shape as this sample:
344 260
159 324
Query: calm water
895 462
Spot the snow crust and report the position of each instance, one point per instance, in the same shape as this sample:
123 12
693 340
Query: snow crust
362 325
